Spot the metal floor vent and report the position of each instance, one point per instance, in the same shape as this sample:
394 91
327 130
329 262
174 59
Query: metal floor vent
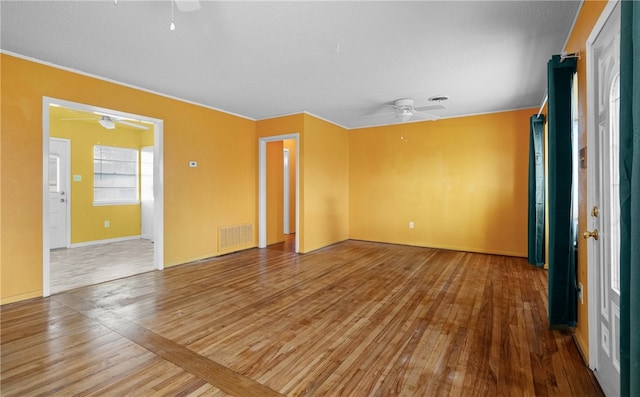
235 238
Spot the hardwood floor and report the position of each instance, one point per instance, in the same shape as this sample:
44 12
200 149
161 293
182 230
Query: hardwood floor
78 267
353 319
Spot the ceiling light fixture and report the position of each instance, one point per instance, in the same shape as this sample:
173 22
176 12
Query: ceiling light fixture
107 123
173 25
404 115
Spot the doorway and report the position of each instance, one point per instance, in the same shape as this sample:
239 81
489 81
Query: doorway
286 178
59 193
262 187
106 118
603 202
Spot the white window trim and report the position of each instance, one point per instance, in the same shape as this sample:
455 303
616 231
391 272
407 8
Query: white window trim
110 203
104 203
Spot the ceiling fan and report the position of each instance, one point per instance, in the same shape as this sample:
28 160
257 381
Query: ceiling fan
405 111
109 122
187 5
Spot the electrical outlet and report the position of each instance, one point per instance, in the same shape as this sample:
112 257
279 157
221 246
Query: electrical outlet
106 224
411 225
580 293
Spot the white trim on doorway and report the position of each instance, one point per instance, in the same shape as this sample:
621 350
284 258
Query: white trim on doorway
262 186
158 181
591 145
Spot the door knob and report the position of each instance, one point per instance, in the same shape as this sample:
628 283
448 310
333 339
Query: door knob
62 200
593 234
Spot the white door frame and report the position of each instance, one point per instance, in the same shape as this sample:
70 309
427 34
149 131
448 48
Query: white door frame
262 186
66 189
592 128
158 182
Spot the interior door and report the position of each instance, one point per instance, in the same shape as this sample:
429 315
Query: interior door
59 152
604 202
146 192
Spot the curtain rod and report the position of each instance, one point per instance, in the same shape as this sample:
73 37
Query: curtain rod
544 102
564 55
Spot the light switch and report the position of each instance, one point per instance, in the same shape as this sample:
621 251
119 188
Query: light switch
77 178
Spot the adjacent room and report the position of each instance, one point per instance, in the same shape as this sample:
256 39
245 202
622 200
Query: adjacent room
357 198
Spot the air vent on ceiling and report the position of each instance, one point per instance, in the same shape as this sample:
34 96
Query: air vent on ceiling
439 98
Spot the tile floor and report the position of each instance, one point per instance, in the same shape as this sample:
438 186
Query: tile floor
76 267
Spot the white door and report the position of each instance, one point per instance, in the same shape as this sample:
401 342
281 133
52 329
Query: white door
59 153
146 192
603 202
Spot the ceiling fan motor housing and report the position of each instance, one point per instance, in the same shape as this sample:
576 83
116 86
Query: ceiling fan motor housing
404 103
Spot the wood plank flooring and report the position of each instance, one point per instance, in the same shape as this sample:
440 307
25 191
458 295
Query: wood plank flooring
353 319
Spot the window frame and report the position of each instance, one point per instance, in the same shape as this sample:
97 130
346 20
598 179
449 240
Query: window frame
115 202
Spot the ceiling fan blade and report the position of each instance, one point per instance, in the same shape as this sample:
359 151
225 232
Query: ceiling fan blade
378 114
424 116
187 5
134 125
427 108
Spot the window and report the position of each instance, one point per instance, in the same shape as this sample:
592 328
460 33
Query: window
54 174
115 175
614 178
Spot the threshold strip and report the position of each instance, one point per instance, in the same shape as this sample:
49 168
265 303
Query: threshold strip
208 370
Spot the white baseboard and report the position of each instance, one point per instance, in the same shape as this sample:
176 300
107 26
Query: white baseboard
109 240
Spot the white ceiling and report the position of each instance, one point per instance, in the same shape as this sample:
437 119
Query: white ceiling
336 60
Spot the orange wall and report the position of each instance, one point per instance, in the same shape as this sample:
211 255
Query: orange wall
326 183
462 181
587 19
221 191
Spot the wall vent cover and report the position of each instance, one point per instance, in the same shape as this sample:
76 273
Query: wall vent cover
235 237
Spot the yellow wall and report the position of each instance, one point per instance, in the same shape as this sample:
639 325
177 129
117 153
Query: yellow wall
87 220
326 183
275 190
221 191
462 181
587 19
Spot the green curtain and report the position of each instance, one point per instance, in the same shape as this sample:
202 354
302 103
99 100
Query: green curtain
536 191
562 277
630 199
